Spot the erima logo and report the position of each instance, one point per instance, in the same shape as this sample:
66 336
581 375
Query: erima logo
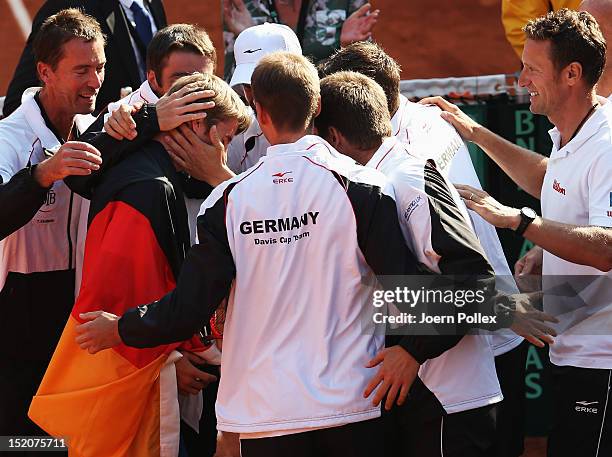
279 225
251 51
558 188
280 179
582 407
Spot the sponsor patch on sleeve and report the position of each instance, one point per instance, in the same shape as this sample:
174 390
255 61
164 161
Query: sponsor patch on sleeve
414 204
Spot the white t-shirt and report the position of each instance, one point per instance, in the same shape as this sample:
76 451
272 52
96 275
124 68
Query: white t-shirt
301 364
577 189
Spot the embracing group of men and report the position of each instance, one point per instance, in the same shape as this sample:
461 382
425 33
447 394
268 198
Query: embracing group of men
197 231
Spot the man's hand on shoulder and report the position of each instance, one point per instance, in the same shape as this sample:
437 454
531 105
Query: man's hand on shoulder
465 125
73 158
488 208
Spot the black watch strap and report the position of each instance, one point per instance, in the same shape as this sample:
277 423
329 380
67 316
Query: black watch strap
527 217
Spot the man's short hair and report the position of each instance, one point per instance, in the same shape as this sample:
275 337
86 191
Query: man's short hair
355 105
228 104
286 85
59 29
574 37
178 37
370 60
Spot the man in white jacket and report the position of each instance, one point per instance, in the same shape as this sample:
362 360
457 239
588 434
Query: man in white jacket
41 216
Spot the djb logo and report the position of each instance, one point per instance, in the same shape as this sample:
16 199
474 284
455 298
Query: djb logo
49 201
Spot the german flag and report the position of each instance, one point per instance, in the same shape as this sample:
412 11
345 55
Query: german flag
122 402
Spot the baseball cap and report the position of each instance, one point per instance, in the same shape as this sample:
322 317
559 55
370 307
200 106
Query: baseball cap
257 41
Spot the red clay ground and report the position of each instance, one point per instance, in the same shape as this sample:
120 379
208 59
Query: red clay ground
451 38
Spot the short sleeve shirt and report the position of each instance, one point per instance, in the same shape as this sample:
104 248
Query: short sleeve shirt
577 190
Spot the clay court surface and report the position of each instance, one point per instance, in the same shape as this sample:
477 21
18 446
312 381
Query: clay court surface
430 39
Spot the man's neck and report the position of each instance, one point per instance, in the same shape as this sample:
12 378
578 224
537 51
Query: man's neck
572 116
399 103
361 156
604 86
61 120
286 137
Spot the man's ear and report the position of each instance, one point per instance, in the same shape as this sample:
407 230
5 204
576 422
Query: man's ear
335 138
248 93
262 115
573 73
318 111
155 86
200 127
44 72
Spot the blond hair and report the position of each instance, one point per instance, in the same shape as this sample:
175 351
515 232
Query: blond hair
227 103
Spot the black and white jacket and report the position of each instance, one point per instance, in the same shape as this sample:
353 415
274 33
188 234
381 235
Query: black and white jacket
295 241
461 375
39 235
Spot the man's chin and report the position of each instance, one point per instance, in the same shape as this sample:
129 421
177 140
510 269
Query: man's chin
86 108
533 107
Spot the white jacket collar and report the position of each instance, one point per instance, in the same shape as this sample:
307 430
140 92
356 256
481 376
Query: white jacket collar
308 144
35 120
389 144
147 94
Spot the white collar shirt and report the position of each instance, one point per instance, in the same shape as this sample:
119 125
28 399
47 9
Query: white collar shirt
144 94
577 190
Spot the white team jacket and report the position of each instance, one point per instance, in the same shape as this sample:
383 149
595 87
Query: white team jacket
54 238
294 241
463 377
433 138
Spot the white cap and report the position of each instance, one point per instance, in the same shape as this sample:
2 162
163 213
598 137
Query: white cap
257 41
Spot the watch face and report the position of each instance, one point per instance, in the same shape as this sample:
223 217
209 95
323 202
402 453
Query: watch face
529 213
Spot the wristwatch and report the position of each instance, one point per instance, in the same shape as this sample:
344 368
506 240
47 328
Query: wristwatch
527 217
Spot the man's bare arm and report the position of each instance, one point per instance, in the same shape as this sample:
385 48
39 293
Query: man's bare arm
586 245
526 168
